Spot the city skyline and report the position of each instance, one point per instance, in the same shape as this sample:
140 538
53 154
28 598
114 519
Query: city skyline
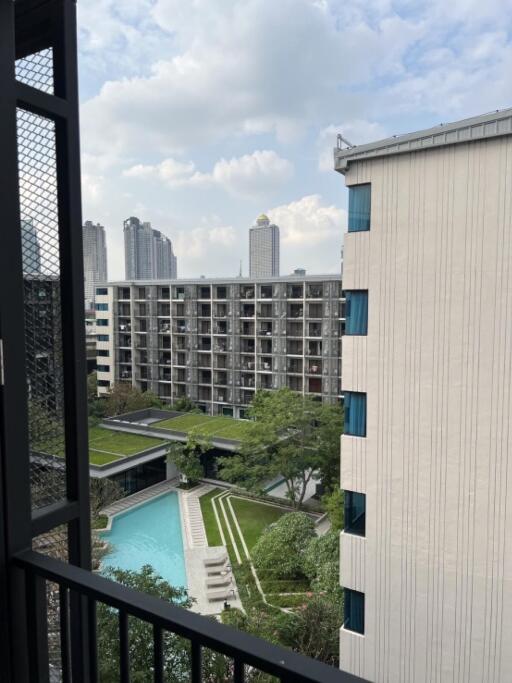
95 259
264 248
148 253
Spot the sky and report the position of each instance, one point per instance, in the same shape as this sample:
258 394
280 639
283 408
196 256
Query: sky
198 115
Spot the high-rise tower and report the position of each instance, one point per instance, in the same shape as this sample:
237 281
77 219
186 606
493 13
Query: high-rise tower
263 248
148 253
95 259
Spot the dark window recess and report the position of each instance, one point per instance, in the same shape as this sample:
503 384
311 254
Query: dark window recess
103 368
105 353
355 413
359 207
103 383
354 610
101 307
102 337
142 476
355 513
102 322
356 312
102 291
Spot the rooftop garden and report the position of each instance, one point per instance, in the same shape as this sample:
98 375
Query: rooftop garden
106 445
218 426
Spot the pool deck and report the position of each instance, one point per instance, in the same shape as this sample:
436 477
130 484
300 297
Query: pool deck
195 544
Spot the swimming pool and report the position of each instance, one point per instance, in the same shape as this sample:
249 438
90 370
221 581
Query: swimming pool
149 534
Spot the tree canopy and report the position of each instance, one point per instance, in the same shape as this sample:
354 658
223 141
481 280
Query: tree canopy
187 456
293 437
283 545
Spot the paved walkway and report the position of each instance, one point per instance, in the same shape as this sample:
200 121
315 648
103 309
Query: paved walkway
140 497
192 516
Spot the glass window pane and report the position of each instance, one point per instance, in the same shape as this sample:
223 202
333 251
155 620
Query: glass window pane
355 513
354 610
359 207
356 312
355 413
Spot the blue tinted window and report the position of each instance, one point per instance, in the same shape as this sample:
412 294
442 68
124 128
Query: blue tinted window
355 413
103 352
355 513
356 312
359 207
354 610
101 291
102 322
102 337
103 368
101 307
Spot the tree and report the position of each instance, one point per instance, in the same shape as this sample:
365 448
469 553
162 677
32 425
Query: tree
333 503
315 630
187 456
327 433
123 398
322 563
282 546
281 442
185 405
176 652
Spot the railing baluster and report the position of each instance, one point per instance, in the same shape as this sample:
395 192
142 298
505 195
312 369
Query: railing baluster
158 654
64 632
239 671
37 626
124 655
93 641
196 662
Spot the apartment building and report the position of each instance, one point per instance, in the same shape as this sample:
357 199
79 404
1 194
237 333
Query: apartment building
218 341
426 457
148 254
264 248
95 260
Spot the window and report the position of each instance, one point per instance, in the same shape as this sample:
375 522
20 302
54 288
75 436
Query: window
101 307
103 352
355 413
102 322
355 513
354 610
103 368
356 312
102 337
102 291
359 207
103 383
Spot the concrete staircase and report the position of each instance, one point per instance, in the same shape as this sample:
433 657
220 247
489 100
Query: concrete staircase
193 519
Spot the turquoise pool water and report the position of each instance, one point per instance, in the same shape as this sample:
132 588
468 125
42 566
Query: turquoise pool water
149 534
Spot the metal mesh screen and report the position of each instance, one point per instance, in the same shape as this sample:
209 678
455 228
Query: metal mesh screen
39 232
37 70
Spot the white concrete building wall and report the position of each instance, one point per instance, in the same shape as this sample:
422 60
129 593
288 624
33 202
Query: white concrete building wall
106 345
436 464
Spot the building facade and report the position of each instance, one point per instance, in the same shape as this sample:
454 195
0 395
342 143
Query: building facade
95 260
31 249
426 457
217 341
148 253
263 249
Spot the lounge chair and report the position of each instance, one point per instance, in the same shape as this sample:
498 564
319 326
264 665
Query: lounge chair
218 569
223 594
213 561
221 580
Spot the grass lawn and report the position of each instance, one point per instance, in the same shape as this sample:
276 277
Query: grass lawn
226 427
210 523
254 517
106 445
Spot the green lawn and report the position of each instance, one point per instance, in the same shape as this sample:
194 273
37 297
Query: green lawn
226 427
254 517
210 523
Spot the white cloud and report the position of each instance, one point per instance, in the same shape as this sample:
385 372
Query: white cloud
246 176
311 234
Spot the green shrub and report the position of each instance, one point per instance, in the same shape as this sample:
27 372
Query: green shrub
282 546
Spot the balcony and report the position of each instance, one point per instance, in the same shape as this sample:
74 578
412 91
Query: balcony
44 591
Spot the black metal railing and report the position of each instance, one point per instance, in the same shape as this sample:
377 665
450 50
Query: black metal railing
246 653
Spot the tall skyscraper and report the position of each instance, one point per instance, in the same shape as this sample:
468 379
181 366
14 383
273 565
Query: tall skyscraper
95 259
264 248
426 454
148 254
31 249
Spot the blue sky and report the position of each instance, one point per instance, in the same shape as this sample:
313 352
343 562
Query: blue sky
198 115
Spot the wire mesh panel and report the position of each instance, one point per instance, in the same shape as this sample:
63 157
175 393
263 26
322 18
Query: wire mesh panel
39 231
36 70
